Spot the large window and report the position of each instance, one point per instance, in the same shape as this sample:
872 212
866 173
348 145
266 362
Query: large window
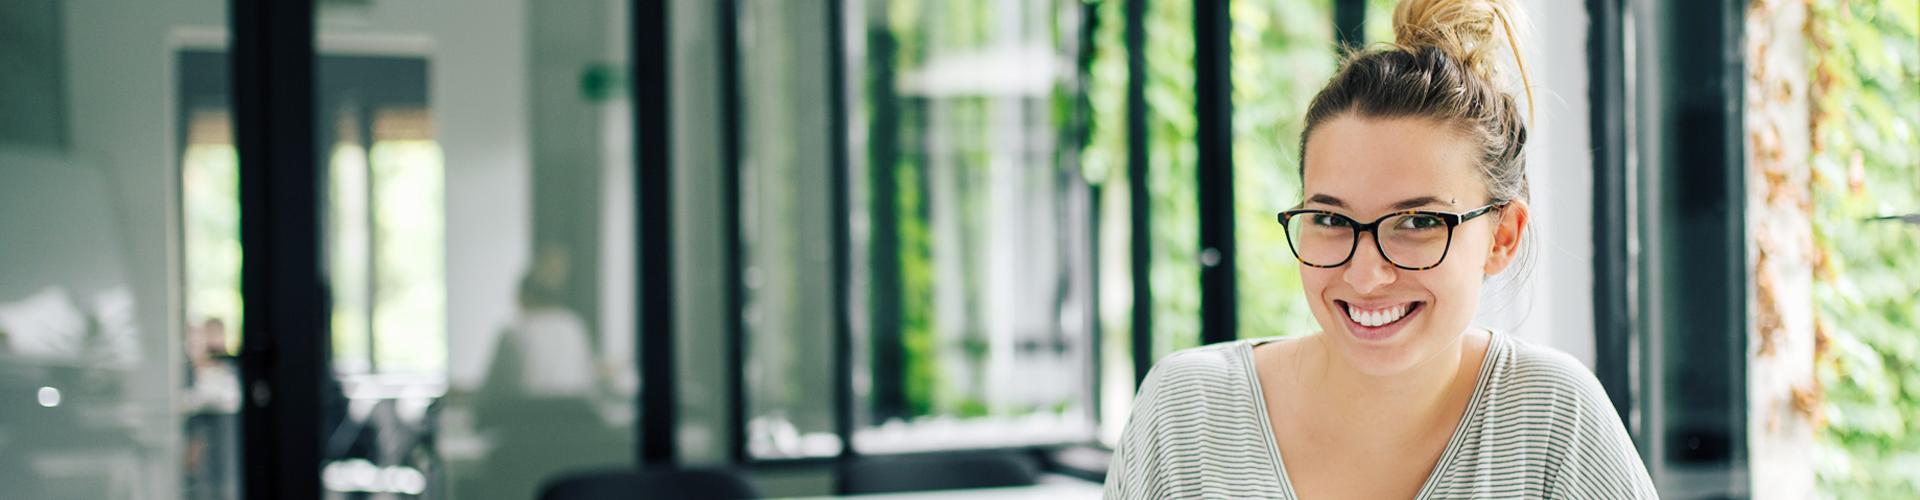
970 262
974 289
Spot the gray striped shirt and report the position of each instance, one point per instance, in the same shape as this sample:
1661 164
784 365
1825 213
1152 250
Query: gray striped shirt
1538 426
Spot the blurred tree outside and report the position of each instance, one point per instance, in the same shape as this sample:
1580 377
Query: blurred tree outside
1866 174
1172 182
1283 52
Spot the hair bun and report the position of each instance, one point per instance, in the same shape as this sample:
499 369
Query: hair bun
1472 31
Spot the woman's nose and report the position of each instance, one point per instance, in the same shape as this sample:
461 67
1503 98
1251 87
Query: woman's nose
1368 270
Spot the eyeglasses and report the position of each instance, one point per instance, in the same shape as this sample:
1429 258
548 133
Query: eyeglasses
1414 240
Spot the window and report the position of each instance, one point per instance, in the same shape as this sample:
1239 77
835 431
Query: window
787 321
977 288
972 299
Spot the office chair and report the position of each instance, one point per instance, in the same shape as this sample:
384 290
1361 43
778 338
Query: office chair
939 472
662 484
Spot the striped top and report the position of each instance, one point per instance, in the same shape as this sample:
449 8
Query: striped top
1537 426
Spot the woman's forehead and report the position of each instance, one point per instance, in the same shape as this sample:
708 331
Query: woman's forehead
1382 164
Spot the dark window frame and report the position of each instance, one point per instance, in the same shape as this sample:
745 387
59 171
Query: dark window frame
284 352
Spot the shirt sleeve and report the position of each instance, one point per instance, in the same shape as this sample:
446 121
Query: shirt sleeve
1602 461
1132 475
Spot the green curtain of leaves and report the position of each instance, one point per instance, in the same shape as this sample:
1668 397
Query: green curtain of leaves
1283 52
1866 165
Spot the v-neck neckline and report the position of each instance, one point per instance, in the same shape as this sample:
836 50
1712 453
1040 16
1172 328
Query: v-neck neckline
1496 344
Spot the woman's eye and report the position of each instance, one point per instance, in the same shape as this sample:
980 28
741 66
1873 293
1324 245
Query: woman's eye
1326 220
1421 222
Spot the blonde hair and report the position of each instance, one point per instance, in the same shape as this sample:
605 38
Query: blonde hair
1444 64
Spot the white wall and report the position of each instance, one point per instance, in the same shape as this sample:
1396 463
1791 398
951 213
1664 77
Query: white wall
1554 306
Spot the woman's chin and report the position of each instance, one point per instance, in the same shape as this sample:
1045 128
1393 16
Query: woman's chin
1385 359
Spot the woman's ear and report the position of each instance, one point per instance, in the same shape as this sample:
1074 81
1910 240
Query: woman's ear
1512 224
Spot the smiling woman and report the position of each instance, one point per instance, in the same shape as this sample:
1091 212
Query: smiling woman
1397 394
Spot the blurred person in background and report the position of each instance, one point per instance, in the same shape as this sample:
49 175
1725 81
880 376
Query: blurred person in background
213 402
537 404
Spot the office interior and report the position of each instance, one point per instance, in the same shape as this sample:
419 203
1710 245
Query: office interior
518 249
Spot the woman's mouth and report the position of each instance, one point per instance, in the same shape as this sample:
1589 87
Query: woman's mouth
1378 321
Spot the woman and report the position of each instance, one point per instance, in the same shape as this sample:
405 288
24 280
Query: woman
1415 192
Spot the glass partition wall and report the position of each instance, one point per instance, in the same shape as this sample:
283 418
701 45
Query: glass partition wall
113 382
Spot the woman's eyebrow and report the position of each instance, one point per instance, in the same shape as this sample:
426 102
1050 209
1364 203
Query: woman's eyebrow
1327 200
1412 203
1409 203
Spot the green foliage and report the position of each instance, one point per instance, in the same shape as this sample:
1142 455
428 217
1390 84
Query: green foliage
1867 165
1172 183
916 303
1380 20
1283 52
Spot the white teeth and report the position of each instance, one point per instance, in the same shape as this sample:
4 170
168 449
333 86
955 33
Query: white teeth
1377 317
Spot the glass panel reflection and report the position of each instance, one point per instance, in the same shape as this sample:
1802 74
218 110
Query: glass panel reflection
478 244
116 376
785 215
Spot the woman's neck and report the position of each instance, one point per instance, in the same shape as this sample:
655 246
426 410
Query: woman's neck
1408 401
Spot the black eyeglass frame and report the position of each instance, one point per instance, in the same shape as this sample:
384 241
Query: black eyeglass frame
1452 220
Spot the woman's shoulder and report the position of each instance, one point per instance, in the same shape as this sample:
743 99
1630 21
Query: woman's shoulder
1545 395
1214 374
1206 358
1529 371
1195 431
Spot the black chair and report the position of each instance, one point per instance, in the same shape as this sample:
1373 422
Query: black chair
663 484
940 472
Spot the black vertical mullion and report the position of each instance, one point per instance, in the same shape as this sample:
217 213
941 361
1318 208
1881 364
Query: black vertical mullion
838 166
283 355
886 338
1350 23
653 234
1138 196
1213 91
1694 244
1613 321
730 160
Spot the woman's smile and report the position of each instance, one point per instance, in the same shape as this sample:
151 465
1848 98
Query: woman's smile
1377 321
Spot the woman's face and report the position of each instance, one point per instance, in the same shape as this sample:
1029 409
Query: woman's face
1368 167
